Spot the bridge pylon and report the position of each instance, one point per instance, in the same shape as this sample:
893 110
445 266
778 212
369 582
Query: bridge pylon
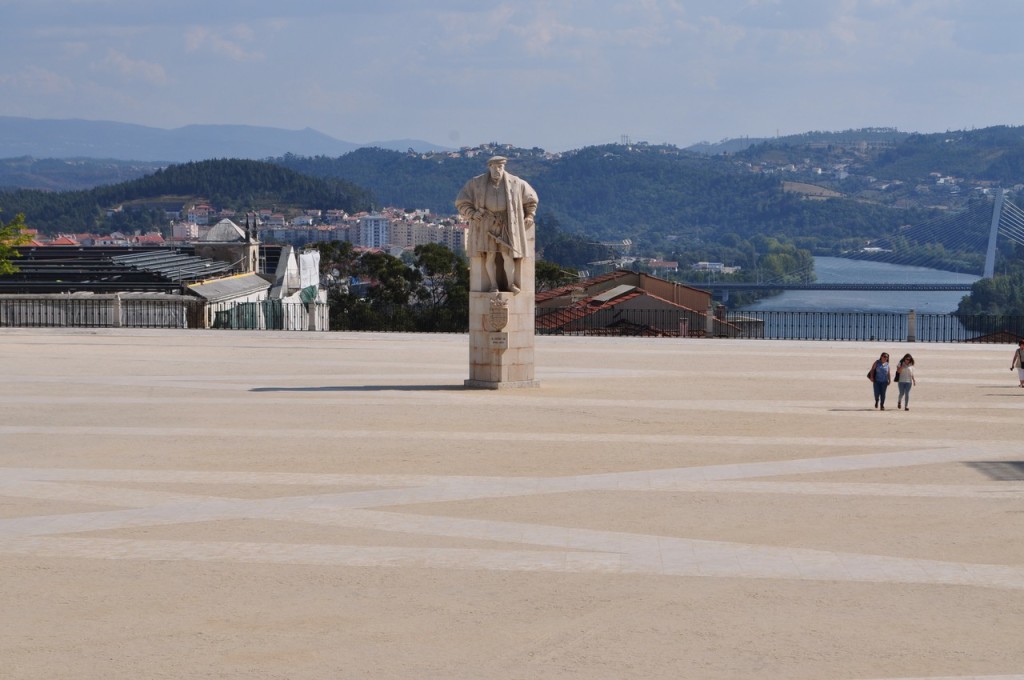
990 252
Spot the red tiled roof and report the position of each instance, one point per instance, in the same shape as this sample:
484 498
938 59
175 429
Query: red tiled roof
564 315
561 317
567 290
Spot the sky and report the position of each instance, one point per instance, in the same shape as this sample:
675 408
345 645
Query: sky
554 74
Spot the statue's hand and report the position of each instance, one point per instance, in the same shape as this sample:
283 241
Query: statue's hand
529 221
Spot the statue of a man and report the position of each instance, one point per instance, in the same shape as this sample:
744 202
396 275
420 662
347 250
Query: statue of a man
500 209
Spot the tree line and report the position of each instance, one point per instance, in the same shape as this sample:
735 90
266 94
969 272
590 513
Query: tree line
427 291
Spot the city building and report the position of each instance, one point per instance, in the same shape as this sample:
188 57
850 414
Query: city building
374 231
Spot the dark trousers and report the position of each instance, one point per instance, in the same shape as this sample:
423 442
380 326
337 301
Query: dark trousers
880 388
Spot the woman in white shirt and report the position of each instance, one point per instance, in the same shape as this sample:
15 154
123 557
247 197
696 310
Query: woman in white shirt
905 380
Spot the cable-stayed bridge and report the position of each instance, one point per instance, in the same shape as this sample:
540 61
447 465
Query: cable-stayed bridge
968 240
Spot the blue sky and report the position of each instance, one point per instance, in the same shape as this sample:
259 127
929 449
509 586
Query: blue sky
556 74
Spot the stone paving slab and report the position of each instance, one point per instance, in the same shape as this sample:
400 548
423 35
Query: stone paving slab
293 505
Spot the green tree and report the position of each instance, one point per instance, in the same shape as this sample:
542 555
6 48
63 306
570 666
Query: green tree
996 296
12 234
337 258
550 275
445 293
445 275
382 306
394 283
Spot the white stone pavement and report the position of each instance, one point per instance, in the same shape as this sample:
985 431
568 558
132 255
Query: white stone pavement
657 508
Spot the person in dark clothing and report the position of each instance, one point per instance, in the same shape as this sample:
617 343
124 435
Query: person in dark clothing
880 379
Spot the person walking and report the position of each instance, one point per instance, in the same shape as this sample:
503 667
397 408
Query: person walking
880 379
905 380
1018 361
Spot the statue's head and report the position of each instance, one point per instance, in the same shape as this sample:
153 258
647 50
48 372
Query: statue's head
496 167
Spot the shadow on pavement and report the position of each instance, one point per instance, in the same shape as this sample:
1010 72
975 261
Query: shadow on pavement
1000 470
366 388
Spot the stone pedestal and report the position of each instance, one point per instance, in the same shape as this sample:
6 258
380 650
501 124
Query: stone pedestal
500 208
501 340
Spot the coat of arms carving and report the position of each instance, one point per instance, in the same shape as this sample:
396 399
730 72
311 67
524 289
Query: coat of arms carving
497 319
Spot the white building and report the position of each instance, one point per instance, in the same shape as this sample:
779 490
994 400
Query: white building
374 231
185 231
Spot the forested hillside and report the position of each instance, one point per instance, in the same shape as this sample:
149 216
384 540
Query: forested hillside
992 154
671 203
234 184
659 197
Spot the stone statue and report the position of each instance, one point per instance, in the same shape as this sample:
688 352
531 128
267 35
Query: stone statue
500 208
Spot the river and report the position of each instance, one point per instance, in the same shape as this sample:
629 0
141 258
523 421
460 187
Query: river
840 270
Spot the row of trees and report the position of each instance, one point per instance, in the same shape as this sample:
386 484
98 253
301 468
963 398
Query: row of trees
1002 295
428 292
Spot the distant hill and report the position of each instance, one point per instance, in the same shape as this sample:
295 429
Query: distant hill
70 174
863 136
826 192
991 154
43 138
659 196
726 145
235 184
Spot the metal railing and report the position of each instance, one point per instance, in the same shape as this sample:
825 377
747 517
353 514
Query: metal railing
114 311
783 325
99 311
994 328
880 326
270 315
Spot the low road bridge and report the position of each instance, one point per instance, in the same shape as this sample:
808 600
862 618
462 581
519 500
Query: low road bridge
750 285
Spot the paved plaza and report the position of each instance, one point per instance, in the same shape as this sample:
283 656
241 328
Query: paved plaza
241 504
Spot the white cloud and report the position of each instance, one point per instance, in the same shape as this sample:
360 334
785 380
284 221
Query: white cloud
133 69
37 81
225 43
